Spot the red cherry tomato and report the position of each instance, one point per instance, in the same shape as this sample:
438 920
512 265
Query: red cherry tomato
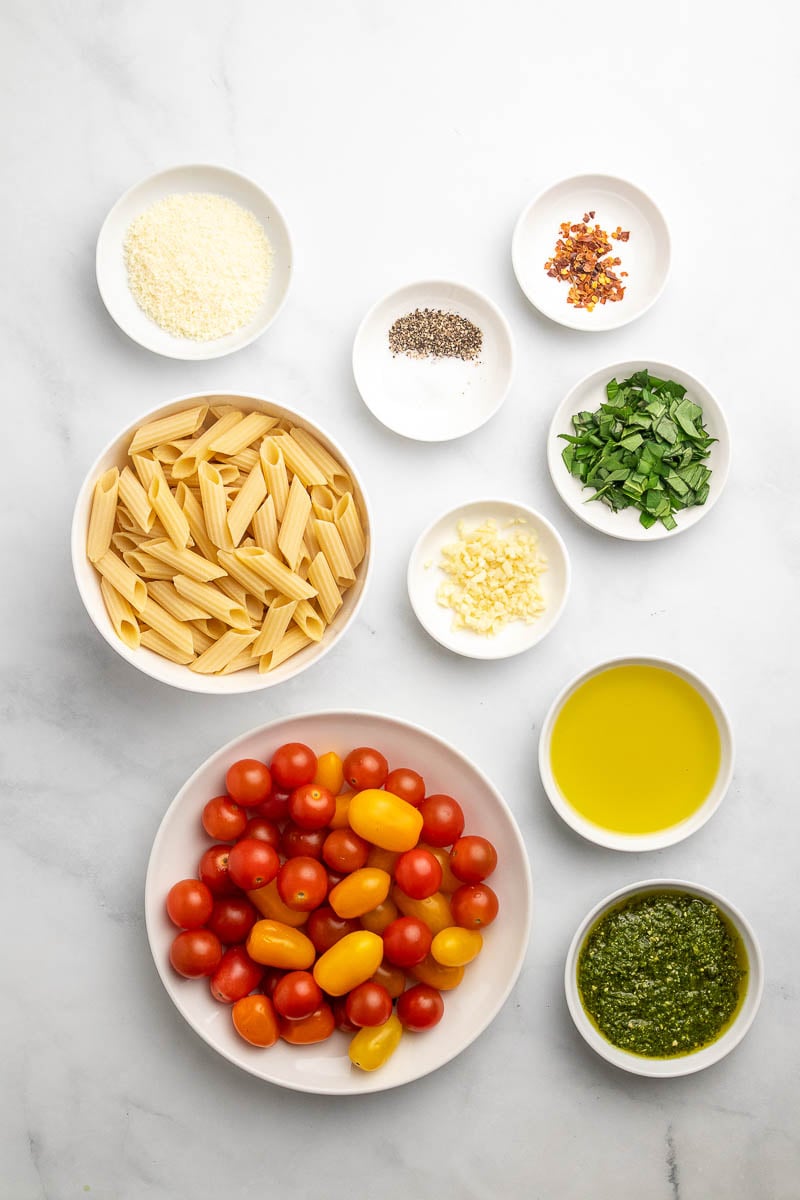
264 830
253 863
297 995
474 906
275 807
272 977
472 859
189 904
420 1008
236 976
232 919
406 941
302 883
368 1004
309 1030
418 874
406 784
325 929
442 820
292 766
340 1016
213 870
223 819
311 806
365 768
344 851
195 952
248 782
305 842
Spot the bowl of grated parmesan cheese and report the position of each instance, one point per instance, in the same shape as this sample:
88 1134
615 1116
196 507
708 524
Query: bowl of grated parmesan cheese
194 262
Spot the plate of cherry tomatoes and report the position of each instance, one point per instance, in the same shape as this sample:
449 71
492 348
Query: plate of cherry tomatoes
338 902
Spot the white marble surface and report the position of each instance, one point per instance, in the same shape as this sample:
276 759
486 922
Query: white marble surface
401 140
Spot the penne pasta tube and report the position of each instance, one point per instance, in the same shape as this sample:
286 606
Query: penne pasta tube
193 511
250 580
245 460
219 410
250 498
103 515
274 468
255 609
210 598
265 526
328 594
176 632
341 484
170 452
323 501
169 598
122 542
276 574
168 511
164 648
168 429
146 468
121 615
292 641
240 663
227 473
233 590
183 562
217 657
332 547
348 523
296 514
121 577
276 622
299 461
201 639
250 429
215 506
125 521
147 565
308 619
200 449
327 464
134 497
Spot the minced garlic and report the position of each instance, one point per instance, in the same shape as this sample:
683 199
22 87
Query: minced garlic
494 578
198 264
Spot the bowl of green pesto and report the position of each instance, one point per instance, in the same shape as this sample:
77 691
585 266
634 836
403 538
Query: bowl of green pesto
664 977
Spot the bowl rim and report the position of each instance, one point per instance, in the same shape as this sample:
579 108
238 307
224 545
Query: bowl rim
672 834
657 532
151 900
258 329
569 321
432 282
537 518
706 1056
204 683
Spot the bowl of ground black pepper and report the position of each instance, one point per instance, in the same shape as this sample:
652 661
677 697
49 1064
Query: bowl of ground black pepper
434 360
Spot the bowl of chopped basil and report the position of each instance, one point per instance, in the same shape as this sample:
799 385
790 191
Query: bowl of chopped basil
664 977
639 450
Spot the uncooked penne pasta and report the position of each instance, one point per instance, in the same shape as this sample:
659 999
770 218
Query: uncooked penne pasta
101 518
348 523
323 501
219 410
265 526
327 464
123 541
153 640
170 452
306 617
121 577
240 663
250 498
210 598
215 507
276 622
228 474
166 594
169 512
193 510
147 565
200 450
168 429
298 460
134 497
292 641
255 609
121 615
328 594
201 639
146 468
183 561
275 573
233 590
290 534
332 547
217 657
245 460
274 468
341 484
249 430
176 632
254 583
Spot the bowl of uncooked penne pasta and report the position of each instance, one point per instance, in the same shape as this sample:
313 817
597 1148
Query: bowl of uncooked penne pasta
222 544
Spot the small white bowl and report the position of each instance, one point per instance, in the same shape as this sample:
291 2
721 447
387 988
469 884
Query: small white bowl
433 399
176 675
587 395
639 842
112 275
646 257
425 576
688 1064
325 1068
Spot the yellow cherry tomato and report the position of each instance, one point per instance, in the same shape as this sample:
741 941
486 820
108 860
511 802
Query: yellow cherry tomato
274 944
339 820
351 961
433 910
391 977
383 859
330 773
373 1045
449 882
360 892
385 819
435 975
455 947
268 902
377 919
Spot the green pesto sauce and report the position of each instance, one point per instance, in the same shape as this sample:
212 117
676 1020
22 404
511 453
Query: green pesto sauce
662 974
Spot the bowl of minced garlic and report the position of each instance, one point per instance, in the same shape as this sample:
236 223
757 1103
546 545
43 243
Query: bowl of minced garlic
194 262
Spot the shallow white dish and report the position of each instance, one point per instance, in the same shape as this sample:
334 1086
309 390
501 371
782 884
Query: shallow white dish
88 580
325 1068
639 842
433 400
687 1064
587 395
112 276
425 576
646 256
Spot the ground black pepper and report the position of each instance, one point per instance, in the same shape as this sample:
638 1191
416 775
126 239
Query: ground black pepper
434 333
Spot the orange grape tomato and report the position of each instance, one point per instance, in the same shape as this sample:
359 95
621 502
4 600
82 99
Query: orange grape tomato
254 1020
352 960
309 1030
385 820
330 772
269 904
449 882
433 910
383 859
378 918
444 979
275 944
455 947
340 818
360 892
391 977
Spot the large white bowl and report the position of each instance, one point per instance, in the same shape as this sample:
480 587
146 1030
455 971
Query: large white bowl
663 837
325 1068
88 580
686 1064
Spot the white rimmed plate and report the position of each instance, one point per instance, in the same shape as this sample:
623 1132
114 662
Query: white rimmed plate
646 256
433 399
425 576
112 276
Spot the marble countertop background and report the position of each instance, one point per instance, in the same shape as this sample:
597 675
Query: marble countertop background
401 141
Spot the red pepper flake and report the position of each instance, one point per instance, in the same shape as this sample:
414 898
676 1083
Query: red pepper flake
584 259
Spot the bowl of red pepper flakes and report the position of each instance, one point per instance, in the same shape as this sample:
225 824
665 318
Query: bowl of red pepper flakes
592 252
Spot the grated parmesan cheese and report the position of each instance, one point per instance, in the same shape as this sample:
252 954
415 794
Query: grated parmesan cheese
494 578
198 264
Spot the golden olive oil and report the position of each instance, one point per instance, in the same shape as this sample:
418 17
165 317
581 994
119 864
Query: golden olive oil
635 749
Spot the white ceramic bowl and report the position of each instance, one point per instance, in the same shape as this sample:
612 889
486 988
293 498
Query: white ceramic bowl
688 1064
112 275
325 1068
433 400
646 257
425 576
88 581
639 841
588 395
